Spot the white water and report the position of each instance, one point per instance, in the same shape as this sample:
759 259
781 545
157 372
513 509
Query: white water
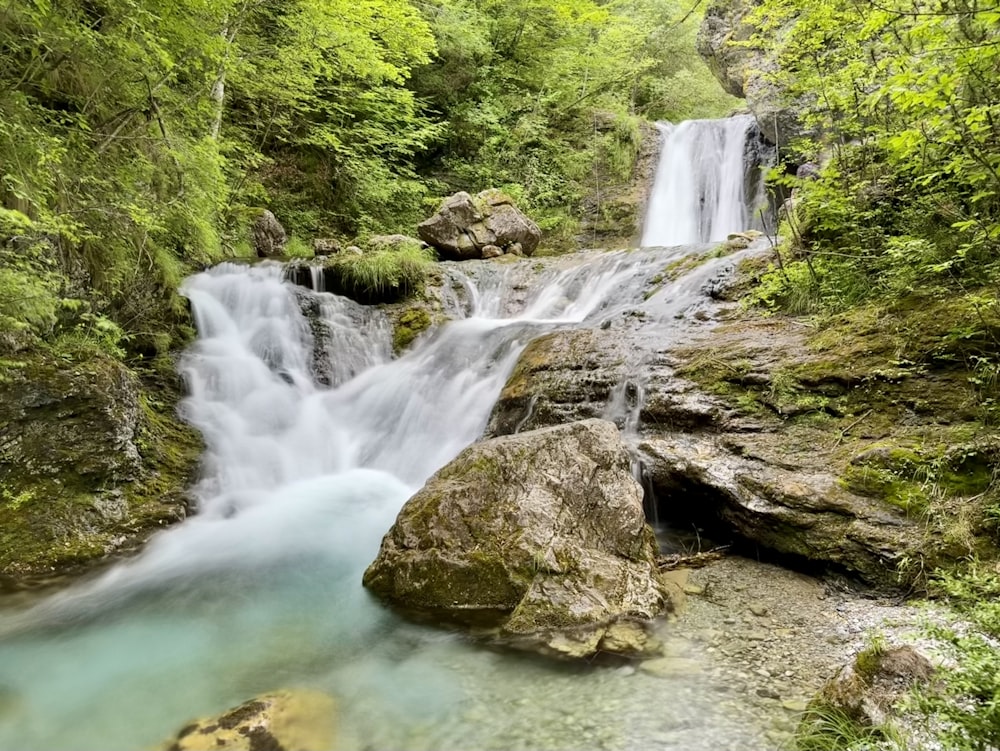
315 438
261 589
700 193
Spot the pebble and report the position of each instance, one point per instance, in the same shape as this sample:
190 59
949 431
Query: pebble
758 609
670 667
795 705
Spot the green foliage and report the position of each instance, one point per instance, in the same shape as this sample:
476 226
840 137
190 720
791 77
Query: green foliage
410 324
296 247
385 274
907 99
825 727
966 702
542 97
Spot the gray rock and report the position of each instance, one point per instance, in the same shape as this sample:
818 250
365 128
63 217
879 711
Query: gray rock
792 509
464 226
492 251
267 235
561 377
325 246
745 71
541 535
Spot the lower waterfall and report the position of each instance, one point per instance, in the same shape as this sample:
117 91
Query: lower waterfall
261 588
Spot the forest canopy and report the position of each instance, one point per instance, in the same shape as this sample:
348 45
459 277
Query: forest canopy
139 138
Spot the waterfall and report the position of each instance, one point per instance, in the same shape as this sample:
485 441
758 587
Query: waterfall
708 184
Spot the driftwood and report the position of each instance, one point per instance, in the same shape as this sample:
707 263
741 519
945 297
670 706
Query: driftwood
690 560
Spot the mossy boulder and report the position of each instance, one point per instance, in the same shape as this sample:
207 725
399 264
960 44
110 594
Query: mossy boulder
539 536
90 463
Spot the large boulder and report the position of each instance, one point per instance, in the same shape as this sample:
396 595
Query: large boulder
464 226
540 535
267 235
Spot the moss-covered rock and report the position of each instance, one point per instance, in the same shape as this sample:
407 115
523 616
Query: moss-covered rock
90 463
408 325
539 535
560 377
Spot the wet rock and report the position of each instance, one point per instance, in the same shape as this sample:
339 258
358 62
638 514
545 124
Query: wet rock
561 377
301 720
491 251
540 536
267 235
464 226
671 667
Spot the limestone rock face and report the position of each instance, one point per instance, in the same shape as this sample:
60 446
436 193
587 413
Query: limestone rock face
464 226
540 535
744 71
302 720
84 466
791 509
268 235
741 430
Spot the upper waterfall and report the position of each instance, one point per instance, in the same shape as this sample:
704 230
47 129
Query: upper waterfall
708 182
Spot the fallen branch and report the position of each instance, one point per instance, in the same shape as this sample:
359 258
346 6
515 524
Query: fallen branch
690 560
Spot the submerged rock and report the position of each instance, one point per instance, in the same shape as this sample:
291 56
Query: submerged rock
297 720
540 536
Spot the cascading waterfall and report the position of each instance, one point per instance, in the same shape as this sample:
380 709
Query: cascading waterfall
315 436
708 184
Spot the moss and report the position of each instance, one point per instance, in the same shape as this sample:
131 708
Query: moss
408 326
383 275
